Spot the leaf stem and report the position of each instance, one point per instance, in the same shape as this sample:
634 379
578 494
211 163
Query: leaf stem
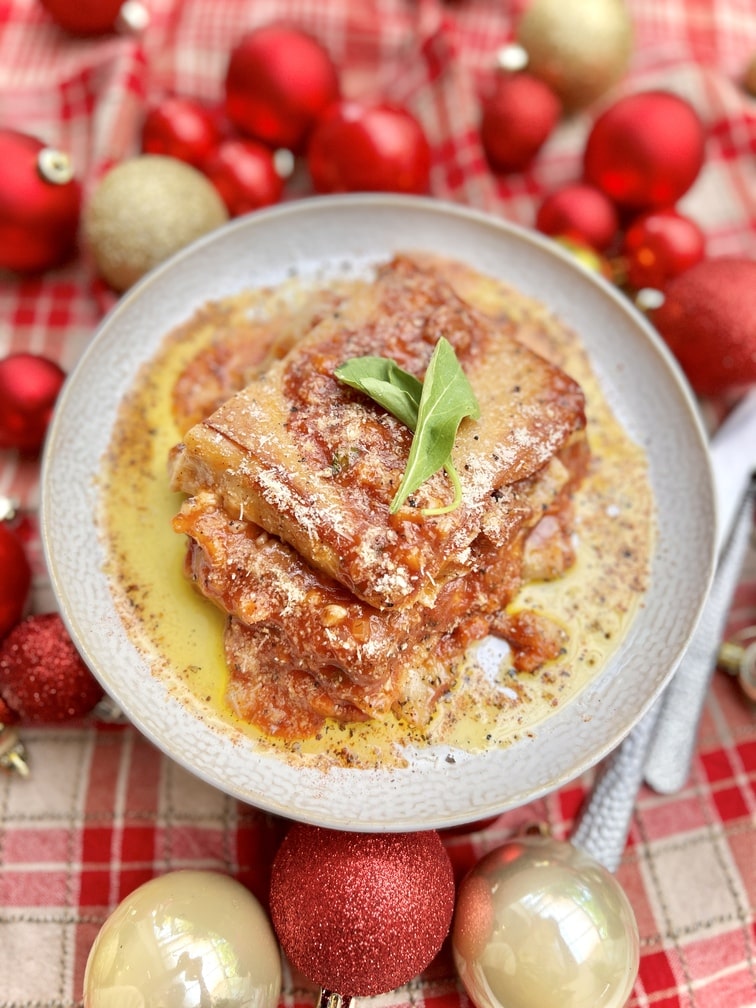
457 486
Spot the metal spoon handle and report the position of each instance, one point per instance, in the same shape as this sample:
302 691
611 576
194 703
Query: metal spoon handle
670 756
604 820
661 745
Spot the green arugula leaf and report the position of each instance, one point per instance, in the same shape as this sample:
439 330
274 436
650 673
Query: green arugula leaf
447 398
432 410
386 383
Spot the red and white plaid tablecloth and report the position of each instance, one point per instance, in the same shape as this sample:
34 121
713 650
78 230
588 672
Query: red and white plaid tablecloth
103 811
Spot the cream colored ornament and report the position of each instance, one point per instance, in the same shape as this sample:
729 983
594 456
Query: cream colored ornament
540 924
185 938
579 49
143 211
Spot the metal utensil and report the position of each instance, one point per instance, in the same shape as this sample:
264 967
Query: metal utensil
672 721
733 457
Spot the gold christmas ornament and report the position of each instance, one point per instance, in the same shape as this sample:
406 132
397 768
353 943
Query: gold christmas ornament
579 49
143 211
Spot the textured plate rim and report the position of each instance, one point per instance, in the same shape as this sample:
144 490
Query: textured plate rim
361 799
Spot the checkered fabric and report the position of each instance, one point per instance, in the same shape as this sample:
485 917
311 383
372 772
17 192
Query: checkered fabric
103 811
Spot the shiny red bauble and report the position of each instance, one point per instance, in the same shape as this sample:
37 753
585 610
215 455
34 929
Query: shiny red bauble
708 319
15 581
646 150
580 213
29 387
362 147
359 912
518 115
40 203
278 81
181 128
245 174
42 677
84 17
660 245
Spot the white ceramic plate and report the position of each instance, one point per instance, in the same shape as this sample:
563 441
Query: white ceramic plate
641 382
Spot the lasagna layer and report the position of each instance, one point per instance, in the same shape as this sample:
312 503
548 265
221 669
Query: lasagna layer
316 464
300 647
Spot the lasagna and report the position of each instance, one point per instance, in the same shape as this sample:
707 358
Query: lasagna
338 606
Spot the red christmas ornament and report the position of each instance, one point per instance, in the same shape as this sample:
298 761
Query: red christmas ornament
15 581
517 117
29 387
40 202
359 147
84 17
660 245
360 914
181 128
245 174
708 319
42 677
580 213
279 80
646 150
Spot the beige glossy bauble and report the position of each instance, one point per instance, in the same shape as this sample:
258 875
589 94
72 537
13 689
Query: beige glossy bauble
184 939
539 924
749 77
579 49
143 211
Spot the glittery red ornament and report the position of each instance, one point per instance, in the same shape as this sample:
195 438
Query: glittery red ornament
708 319
361 914
29 386
580 213
40 202
660 245
361 147
181 128
646 150
42 677
15 581
279 80
518 115
245 174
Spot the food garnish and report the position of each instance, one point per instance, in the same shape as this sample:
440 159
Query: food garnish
432 409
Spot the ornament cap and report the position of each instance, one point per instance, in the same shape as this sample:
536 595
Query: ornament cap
283 162
649 299
12 751
511 58
55 166
737 657
330 999
133 17
8 509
